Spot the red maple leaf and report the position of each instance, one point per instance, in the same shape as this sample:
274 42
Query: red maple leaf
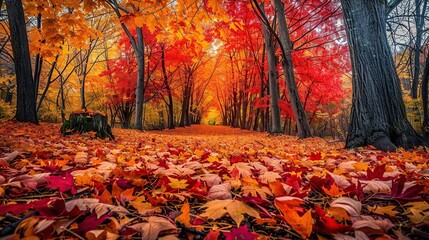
240 233
16 209
61 183
327 225
91 222
410 194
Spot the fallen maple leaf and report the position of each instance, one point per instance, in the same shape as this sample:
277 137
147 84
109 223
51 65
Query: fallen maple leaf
91 222
178 184
16 209
4 161
327 225
334 191
352 206
90 204
144 207
61 183
153 227
388 210
409 194
212 235
240 233
185 217
236 209
303 225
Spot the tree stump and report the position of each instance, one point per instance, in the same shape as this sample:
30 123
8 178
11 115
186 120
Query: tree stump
87 121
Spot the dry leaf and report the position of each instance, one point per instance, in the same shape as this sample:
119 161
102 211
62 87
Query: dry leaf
236 209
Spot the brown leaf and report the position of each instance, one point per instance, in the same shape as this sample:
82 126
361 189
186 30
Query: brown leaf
221 191
153 227
352 206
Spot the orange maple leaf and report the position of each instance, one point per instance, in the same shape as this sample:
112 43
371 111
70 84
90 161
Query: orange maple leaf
303 225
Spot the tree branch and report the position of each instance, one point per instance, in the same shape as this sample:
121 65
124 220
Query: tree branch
392 5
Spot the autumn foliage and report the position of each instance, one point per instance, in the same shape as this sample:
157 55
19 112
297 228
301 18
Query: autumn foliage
205 182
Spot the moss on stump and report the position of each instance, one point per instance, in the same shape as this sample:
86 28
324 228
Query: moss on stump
87 121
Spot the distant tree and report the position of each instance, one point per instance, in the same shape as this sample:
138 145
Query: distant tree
272 79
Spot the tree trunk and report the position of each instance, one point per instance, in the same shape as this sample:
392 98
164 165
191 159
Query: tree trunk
272 80
378 114
26 94
419 21
425 81
138 120
83 80
298 110
170 106
38 62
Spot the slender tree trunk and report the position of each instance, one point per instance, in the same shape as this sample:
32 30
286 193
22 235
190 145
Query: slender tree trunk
170 106
425 80
48 84
138 120
272 80
26 94
298 110
378 114
185 103
83 80
38 62
419 21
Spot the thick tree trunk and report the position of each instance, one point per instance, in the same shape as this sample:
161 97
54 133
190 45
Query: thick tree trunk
378 114
304 130
272 80
26 94
138 120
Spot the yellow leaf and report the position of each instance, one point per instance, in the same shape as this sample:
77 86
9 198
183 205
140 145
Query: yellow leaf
83 180
388 210
144 207
339 214
251 187
236 209
178 184
360 166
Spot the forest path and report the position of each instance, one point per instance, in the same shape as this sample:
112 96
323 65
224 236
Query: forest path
196 130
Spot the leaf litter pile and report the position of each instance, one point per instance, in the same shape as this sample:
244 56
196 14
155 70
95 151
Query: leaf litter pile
205 183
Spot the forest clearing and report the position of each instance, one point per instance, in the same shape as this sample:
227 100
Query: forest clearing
205 182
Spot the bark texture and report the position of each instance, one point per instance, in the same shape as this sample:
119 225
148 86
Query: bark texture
83 122
303 126
378 114
272 80
139 51
26 93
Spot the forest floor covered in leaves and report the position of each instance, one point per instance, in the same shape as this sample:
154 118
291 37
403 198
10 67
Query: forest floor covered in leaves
205 182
